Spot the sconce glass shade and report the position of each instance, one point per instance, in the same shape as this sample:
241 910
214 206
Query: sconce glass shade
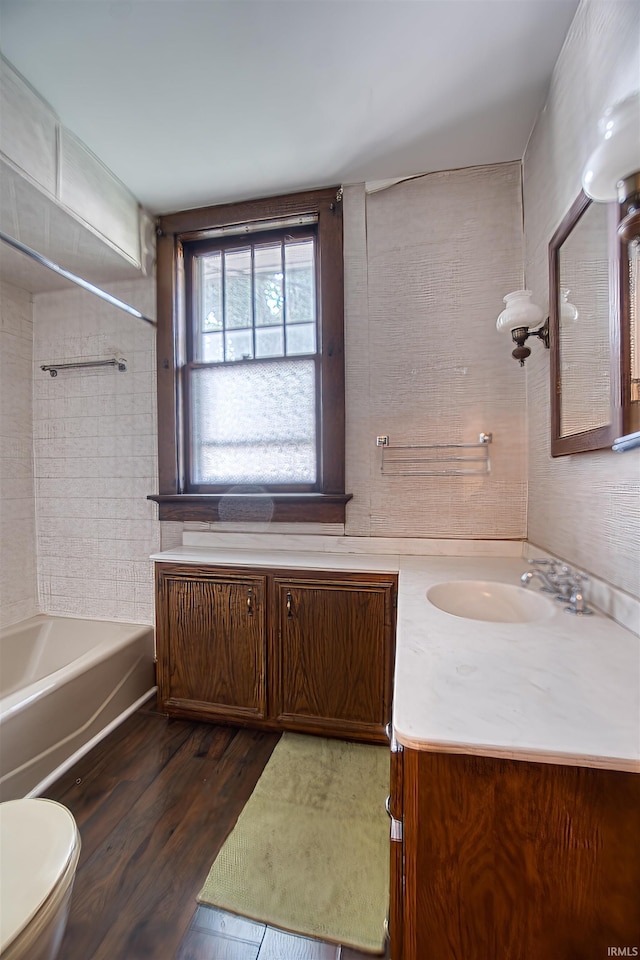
568 310
519 312
617 155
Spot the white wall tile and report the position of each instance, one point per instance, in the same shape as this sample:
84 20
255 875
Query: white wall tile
170 535
18 591
96 457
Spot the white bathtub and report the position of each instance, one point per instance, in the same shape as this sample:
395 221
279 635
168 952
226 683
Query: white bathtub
64 684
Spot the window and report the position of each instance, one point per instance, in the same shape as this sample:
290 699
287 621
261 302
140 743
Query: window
250 377
251 360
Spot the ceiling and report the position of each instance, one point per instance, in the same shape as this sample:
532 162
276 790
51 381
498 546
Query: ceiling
192 102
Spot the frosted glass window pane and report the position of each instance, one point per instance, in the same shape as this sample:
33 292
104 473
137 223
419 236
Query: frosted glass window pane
254 424
238 345
269 293
300 282
270 342
237 292
301 338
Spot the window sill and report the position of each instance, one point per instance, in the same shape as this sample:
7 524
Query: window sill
251 507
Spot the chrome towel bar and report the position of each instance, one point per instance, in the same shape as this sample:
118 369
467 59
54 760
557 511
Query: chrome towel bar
53 368
436 459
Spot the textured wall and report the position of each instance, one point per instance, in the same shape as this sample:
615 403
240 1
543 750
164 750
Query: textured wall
95 456
427 263
18 594
584 508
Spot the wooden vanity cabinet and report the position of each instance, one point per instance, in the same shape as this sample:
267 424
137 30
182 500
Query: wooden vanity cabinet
283 650
211 643
333 655
511 859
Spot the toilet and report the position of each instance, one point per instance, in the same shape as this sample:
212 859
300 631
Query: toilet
39 850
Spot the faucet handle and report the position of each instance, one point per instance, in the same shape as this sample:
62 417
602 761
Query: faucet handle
577 603
556 567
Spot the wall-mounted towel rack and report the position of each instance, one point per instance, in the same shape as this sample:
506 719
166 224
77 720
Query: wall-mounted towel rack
436 459
53 368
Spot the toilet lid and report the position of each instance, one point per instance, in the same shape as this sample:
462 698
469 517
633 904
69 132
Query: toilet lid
38 838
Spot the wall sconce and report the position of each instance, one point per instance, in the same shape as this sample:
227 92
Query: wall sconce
613 169
524 319
568 311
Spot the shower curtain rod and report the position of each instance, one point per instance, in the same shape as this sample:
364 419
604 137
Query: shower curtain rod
74 278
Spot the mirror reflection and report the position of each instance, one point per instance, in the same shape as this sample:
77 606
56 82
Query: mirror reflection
589 329
583 324
633 251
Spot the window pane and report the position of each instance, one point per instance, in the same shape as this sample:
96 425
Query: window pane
301 338
237 292
269 295
254 424
208 297
270 342
212 351
238 345
300 282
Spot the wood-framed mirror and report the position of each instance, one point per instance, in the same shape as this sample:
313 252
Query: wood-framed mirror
589 338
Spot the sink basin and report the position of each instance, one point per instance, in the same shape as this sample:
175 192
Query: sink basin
484 600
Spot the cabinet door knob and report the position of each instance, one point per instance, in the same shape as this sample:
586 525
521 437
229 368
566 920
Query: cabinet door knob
250 603
289 602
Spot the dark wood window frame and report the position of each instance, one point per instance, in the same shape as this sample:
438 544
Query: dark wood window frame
326 503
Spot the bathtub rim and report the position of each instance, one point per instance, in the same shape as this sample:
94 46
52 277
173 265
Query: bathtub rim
13 703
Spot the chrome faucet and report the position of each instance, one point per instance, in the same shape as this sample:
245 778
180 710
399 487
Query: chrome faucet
553 581
562 581
549 584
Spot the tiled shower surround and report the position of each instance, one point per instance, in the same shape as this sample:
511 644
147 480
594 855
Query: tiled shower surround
18 591
95 457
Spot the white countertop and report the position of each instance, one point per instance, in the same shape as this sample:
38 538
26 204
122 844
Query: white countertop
303 559
563 689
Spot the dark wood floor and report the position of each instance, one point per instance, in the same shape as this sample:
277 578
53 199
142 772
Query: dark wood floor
154 803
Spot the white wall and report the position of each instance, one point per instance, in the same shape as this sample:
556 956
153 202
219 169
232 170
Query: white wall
584 508
427 263
18 594
95 443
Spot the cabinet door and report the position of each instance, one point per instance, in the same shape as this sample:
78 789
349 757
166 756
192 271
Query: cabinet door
334 649
519 860
211 644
